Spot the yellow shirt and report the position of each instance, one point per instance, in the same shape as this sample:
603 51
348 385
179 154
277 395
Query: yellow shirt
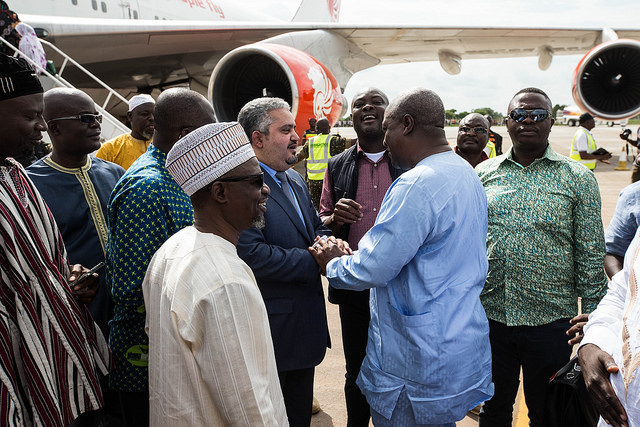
123 150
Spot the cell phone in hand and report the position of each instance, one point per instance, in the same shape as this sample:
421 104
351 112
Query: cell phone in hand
88 274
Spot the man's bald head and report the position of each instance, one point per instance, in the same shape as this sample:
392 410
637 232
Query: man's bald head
179 111
61 101
424 105
475 117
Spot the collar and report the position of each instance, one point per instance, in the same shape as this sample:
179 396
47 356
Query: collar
360 153
549 154
483 155
49 161
270 171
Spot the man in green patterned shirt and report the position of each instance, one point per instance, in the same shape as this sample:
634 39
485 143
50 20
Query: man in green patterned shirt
545 245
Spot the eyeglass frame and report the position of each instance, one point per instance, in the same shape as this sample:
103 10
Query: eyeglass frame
235 179
530 114
477 130
94 118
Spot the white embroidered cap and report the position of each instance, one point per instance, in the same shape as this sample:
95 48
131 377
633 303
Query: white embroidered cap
207 153
139 100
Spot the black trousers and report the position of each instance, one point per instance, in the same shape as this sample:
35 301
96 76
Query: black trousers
297 390
541 351
354 319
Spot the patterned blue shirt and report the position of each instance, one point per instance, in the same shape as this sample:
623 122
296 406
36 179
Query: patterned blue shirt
145 209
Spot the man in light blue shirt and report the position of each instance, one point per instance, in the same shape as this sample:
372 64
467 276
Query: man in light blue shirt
428 356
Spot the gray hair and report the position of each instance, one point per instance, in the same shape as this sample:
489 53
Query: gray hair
255 114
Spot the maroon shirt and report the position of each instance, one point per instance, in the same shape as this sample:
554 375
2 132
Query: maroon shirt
373 181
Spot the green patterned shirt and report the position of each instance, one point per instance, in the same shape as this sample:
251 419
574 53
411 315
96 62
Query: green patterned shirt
146 208
545 241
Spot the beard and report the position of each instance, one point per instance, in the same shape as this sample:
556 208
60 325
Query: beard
258 222
292 160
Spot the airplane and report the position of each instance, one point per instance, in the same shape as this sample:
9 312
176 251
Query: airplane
235 55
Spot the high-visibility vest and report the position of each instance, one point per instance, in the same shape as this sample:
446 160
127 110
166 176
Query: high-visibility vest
591 147
490 149
318 157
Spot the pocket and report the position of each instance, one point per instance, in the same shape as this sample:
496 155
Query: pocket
410 347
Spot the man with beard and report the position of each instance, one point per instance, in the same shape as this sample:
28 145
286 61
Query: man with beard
145 209
472 139
211 359
545 246
287 274
126 148
50 344
364 172
428 360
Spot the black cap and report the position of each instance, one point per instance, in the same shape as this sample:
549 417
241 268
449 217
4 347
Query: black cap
17 78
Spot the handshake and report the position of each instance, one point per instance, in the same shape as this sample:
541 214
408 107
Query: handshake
326 248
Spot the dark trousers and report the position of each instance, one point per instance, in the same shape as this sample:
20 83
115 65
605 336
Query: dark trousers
541 351
297 390
354 318
132 409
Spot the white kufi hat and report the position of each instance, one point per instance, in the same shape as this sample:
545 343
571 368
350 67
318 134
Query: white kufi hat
207 153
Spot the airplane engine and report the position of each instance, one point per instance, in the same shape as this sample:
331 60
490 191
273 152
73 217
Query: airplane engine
266 69
606 82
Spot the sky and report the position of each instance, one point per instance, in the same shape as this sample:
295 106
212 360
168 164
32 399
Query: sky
481 83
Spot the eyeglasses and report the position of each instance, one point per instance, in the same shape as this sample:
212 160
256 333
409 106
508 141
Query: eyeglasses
255 179
84 118
477 131
520 114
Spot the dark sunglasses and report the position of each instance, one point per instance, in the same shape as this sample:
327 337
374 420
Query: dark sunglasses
255 179
520 114
84 118
477 131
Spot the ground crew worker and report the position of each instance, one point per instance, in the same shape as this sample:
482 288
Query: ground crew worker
317 151
583 145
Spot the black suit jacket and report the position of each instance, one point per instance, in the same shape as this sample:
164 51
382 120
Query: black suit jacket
288 276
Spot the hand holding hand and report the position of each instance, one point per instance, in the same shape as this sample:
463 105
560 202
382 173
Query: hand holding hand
326 249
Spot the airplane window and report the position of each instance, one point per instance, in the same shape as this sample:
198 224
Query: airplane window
104 7
135 14
74 2
94 4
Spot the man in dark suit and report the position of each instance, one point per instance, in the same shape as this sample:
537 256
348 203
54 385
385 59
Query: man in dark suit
287 274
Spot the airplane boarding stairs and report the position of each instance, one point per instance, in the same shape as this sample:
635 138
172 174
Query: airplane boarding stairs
111 126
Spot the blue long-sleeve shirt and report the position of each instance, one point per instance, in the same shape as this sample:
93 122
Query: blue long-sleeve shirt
425 259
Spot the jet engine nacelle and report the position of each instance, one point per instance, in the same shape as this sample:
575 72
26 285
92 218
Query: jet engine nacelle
606 82
266 69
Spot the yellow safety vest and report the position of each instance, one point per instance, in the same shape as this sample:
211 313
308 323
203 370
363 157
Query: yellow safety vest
318 157
591 147
490 149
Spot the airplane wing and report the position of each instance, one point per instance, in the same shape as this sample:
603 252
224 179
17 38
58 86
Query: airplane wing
139 53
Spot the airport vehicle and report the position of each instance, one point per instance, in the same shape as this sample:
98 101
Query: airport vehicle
570 116
235 55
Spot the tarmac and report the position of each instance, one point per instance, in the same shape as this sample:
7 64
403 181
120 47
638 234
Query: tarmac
329 377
